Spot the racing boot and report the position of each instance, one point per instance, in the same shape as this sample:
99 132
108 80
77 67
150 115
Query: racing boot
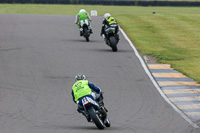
104 37
118 37
90 28
101 103
87 116
81 31
91 31
81 110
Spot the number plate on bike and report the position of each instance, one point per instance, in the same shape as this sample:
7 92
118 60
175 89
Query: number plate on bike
85 100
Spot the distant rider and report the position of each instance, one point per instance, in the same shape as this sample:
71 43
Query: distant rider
83 87
109 21
83 15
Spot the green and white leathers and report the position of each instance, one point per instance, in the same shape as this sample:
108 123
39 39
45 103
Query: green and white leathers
80 89
83 16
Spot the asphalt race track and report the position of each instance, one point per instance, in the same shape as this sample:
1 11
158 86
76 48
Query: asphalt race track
39 57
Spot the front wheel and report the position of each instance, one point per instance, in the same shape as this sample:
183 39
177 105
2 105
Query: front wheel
95 118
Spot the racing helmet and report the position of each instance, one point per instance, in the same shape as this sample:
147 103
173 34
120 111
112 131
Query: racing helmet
80 76
106 15
82 10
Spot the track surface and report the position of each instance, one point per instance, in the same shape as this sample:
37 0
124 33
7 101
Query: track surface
39 57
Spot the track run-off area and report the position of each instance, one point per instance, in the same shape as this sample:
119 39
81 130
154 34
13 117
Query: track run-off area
39 57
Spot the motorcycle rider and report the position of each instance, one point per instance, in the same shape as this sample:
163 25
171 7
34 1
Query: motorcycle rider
82 88
83 15
109 21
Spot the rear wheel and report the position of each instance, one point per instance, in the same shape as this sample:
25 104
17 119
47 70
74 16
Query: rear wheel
95 118
87 39
113 43
86 34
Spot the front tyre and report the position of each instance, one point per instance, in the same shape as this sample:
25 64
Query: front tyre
95 118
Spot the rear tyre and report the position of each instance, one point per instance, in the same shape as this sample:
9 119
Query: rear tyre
113 43
87 39
86 34
96 119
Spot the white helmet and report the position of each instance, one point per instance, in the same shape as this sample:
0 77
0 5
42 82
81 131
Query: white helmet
106 15
82 10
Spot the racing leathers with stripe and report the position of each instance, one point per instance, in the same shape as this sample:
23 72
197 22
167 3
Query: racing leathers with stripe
85 88
109 21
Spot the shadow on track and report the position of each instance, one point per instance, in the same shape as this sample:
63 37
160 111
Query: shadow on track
81 40
86 128
65 127
110 50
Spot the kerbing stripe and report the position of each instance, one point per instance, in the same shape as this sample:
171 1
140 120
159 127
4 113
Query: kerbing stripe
183 95
176 99
181 91
194 117
159 66
187 102
167 83
193 106
171 75
174 79
180 87
192 110
163 71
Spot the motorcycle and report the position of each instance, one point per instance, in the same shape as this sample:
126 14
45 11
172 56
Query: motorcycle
99 117
112 37
85 31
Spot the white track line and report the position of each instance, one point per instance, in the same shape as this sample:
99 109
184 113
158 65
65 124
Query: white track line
155 83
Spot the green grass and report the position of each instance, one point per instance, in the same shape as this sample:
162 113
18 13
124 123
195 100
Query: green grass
172 35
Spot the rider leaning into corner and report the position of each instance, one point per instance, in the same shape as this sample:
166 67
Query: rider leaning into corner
109 21
82 88
83 15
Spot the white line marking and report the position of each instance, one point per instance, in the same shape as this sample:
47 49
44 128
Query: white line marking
155 83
